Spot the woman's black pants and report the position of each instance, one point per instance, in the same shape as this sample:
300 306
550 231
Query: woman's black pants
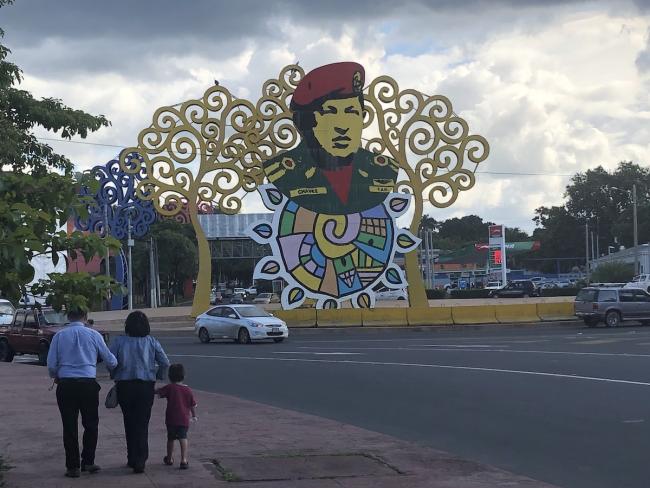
135 398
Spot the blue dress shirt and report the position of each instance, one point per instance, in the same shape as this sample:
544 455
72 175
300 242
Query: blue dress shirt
74 351
138 358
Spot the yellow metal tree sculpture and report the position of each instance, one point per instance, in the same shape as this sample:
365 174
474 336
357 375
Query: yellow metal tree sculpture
212 150
196 152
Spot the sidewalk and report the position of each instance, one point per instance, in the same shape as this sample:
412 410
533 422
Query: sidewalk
257 446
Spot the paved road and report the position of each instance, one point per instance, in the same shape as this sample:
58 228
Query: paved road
566 405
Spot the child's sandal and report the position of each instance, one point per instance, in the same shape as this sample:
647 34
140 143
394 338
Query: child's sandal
168 461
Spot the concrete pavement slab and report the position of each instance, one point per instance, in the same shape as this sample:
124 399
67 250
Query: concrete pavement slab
228 429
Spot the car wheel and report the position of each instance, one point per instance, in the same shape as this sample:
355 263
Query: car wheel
526 295
43 349
278 339
495 295
401 298
591 322
613 319
204 336
243 337
6 352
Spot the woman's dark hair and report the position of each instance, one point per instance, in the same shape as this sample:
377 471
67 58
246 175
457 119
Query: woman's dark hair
176 373
137 325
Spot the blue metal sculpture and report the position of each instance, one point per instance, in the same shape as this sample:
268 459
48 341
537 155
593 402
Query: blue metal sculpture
115 201
115 205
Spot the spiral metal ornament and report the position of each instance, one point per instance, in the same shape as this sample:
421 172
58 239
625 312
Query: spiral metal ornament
116 201
433 147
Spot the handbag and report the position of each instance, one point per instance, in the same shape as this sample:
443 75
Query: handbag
111 398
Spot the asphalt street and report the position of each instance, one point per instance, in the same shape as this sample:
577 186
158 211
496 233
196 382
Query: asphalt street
565 404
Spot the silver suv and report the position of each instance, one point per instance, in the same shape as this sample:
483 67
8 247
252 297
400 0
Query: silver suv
612 306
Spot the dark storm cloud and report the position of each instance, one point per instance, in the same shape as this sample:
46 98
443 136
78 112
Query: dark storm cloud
59 38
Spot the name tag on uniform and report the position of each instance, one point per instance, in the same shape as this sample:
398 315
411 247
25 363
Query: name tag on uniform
319 190
380 189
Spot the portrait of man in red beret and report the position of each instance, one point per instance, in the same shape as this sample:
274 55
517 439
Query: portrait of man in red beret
329 171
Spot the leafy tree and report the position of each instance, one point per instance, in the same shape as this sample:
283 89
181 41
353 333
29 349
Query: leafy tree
177 258
561 235
616 272
38 192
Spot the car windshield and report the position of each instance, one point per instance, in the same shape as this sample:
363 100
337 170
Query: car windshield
52 317
6 309
252 312
585 295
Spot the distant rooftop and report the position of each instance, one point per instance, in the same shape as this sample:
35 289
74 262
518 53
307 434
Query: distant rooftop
222 226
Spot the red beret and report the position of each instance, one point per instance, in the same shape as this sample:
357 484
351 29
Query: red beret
338 79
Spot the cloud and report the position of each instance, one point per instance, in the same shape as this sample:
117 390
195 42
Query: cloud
555 89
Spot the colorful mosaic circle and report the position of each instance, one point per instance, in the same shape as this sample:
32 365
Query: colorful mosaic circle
335 255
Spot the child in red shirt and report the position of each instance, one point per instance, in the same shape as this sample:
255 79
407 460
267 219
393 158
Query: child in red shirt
180 403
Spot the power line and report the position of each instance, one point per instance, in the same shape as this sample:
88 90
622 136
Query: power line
502 173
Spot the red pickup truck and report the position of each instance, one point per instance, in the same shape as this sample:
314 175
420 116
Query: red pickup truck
31 333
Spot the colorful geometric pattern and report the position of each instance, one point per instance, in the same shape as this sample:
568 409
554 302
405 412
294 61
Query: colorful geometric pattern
332 258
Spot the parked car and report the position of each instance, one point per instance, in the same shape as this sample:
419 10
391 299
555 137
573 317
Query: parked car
7 311
612 305
237 298
250 291
516 289
548 285
389 294
641 281
493 285
31 332
265 298
241 323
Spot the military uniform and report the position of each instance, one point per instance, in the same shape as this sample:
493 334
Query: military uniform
297 176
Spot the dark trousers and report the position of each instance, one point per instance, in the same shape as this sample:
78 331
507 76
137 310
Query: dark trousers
74 396
136 399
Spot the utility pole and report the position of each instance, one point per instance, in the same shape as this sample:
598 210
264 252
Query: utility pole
587 250
152 275
636 232
129 243
107 232
593 249
107 265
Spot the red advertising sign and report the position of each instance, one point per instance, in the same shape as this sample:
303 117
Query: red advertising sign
496 231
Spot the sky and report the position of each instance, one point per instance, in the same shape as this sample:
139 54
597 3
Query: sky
556 87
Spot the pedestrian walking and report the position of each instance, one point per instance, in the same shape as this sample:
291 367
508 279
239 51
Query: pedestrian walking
180 404
140 361
72 362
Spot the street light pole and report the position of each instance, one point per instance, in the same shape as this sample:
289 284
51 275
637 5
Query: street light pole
636 232
587 250
129 242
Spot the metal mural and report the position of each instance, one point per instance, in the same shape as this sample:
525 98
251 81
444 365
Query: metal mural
332 190
115 201
334 233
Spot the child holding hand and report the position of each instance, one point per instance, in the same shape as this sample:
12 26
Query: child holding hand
180 404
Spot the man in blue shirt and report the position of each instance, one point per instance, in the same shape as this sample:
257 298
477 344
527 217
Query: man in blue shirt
72 362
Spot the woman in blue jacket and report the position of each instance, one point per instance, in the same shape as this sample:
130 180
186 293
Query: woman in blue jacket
140 361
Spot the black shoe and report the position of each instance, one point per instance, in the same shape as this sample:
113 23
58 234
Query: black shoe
91 468
73 473
138 469
185 465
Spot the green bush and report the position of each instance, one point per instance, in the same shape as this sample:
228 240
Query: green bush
475 293
559 292
615 272
436 294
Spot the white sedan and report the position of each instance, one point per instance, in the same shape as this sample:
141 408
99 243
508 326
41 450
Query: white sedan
241 323
388 294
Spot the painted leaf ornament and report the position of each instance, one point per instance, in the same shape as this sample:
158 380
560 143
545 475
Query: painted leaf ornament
263 230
